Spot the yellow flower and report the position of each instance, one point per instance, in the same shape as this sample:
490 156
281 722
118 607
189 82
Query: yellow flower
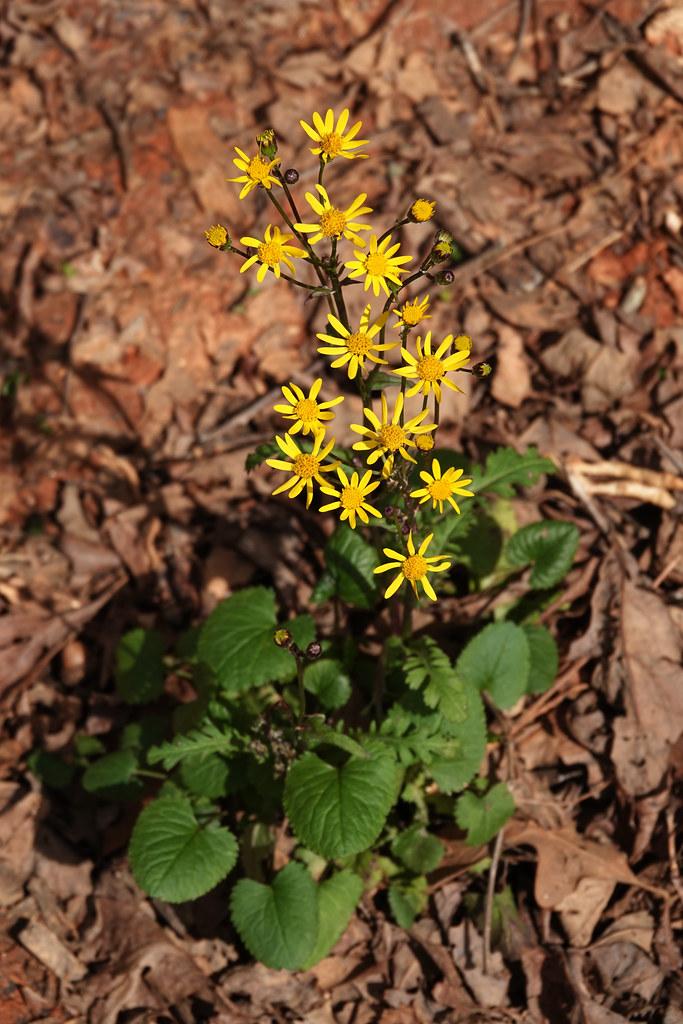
354 348
305 467
309 416
333 222
387 436
351 497
422 210
379 265
271 251
413 312
413 567
331 139
442 486
217 236
257 171
424 442
429 369
463 343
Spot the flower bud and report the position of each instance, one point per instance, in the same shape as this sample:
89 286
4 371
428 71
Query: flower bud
267 144
314 650
482 369
217 236
422 210
389 511
282 637
445 277
291 175
424 442
405 528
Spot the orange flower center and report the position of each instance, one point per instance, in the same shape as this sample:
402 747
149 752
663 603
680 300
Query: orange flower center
439 489
376 264
306 467
306 410
270 253
332 222
392 436
259 170
351 498
414 568
430 368
358 344
331 144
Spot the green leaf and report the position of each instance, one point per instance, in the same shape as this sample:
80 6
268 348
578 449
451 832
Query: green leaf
463 747
482 817
338 810
350 560
506 467
497 659
324 590
260 454
236 641
378 380
407 899
418 850
207 739
205 775
549 546
544 658
111 770
328 680
139 669
144 733
52 770
337 899
175 858
324 735
278 923
427 664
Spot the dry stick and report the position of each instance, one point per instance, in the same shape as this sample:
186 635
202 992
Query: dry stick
490 892
671 848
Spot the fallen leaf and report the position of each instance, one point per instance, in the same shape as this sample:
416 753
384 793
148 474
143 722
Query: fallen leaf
512 381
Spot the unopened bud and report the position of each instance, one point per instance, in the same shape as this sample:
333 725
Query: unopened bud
482 369
422 210
282 637
389 511
314 650
445 277
405 528
267 143
291 175
217 236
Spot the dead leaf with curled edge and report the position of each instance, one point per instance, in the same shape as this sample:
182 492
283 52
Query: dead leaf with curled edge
565 858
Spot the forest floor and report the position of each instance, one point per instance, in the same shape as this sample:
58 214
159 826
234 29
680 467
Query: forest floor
138 369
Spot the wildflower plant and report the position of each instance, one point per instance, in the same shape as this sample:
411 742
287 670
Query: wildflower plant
359 736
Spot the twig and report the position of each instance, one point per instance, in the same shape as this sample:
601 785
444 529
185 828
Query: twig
671 848
120 144
490 893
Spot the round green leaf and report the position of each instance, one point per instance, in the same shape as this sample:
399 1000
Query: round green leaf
173 857
497 660
139 666
111 770
482 817
549 546
328 680
418 850
278 923
464 746
337 810
544 658
337 900
407 899
236 641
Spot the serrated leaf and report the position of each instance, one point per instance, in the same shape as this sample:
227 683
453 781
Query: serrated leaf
260 454
549 546
139 669
278 923
329 681
482 817
325 735
497 660
464 745
236 641
175 858
111 770
337 899
339 810
429 668
324 589
205 775
544 658
505 467
418 850
350 560
407 899
207 739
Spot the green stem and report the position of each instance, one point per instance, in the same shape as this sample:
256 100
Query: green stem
408 601
394 226
315 262
284 277
302 691
147 774
321 171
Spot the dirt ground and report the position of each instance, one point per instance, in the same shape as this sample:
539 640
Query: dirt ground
138 368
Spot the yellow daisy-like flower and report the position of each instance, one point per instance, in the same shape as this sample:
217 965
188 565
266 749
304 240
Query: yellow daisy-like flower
217 235
271 250
429 369
387 436
379 264
422 210
305 467
413 567
256 171
351 497
330 138
308 415
424 442
357 346
413 312
335 223
442 486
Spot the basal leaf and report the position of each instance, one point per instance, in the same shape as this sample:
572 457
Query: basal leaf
482 817
544 658
350 560
337 900
462 748
407 899
139 669
111 770
549 546
418 850
505 467
497 659
329 681
278 923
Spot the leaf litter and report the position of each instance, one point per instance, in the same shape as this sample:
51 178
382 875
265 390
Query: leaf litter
137 371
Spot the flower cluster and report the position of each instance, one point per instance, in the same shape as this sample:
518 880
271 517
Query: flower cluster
388 456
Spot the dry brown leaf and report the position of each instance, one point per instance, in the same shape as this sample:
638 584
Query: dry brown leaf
512 380
581 909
